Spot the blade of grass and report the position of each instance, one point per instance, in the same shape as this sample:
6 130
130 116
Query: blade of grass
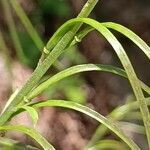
123 30
89 112
134 116
71 71
9 144
74 70
5 51
30 28
33 114
32 133
27 24
117 114
108 144
131 35
13 31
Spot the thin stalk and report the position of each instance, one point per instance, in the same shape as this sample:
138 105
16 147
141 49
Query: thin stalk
27 24
44 66
5 51
32 31
109 144
86 10
13 31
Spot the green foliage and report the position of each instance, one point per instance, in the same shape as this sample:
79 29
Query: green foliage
66 36
32 112
30 50
56 8
8 144
32 133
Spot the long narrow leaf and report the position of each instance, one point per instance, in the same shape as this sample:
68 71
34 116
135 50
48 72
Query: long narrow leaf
13 31
131 35
33 114
32 133
89 112
27 24
9 144
108 144
74 70
77 69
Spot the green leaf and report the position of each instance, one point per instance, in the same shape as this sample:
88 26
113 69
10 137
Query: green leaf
118 113
131 35
108 144
125 62
33 113
27 24
89 112
13 31
73 70
9 144
32 133
77 69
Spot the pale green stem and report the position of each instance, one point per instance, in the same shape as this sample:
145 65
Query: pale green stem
27 24
5 51
13 31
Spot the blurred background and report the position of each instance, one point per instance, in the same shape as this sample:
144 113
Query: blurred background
19 55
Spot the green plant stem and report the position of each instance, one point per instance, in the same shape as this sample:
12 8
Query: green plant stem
27 24
30 132
13 31
9 144
44 66
5 51
86 10
109 144
30 29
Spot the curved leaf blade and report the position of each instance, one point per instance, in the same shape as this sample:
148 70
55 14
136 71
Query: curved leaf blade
9 144
108 144
131 35
78 69
74 70
32 133
33 113
89 112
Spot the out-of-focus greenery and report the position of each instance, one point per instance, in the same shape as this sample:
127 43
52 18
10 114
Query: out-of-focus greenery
58 8
30 50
